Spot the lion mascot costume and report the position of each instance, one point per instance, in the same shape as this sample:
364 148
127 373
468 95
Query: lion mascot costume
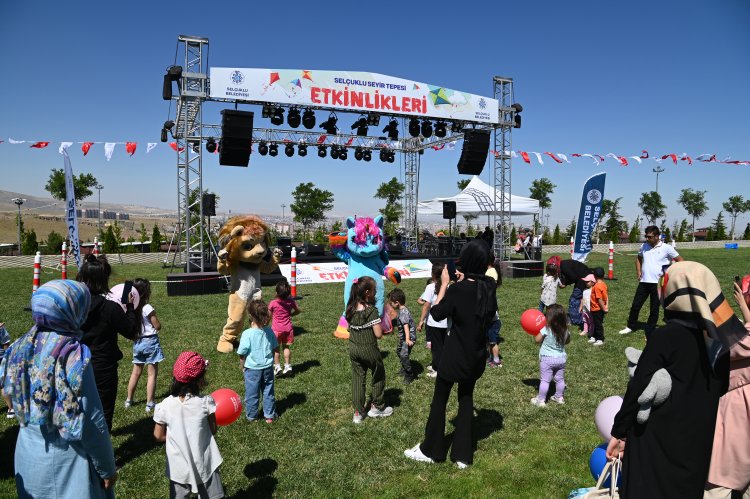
362 247
245 253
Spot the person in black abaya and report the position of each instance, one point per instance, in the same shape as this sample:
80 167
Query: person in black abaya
471 304
668 456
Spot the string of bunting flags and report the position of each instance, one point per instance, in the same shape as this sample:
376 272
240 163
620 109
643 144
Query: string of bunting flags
526 156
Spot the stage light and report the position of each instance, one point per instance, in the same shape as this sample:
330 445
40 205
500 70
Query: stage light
163 134
373 119
308 119
293 118
426 129
342 154
273 150
211 145
321 151
174 73
168 125
278 116
358 154
361 126
440 129
330 125
334 152
367 155
289 150
457 127
302 150
267 111
383 155
392 130
391 156
263 148
414 127
518 108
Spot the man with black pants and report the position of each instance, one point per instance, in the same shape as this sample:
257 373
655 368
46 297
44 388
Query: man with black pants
653 259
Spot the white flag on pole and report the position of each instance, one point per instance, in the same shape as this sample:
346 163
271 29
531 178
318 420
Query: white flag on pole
109 148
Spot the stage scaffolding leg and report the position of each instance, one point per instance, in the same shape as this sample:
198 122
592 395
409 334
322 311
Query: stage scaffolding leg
503 92
411 195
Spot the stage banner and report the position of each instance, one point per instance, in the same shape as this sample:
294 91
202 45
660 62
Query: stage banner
316 273
588 215
356 91
70 210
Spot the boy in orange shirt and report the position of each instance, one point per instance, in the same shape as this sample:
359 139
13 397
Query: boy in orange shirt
599 307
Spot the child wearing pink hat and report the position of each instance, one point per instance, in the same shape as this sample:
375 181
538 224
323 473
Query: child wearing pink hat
186 421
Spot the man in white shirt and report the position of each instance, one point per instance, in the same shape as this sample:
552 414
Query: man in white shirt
653 259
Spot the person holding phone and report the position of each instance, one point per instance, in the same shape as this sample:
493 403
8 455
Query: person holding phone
106 319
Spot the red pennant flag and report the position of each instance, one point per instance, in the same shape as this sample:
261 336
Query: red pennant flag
622 160
173 145
557 160
349 142
321 139
85 147
644 154
673 156
525 157
687 158
601 158
437 148
576 155
39 145
130 147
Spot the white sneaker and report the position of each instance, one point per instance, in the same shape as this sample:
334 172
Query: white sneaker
415 453
559 400
149 407
539 403
598 343
592 339
626 330
287 369
461 465
128 403
374 412
358 418
10 414
276 369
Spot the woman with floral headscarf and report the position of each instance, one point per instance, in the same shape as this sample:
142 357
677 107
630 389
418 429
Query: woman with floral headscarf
63 447
669 455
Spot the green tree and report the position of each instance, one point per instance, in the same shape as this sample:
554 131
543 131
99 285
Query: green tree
570 231
709 234
155 239
541 189
54 243
634 234
392 192
82 184
110 243
310 205
513 235
556 236
614 224
682 231
652 206
746 235
29 243
720 229
734 206
468 217
694 203
337 226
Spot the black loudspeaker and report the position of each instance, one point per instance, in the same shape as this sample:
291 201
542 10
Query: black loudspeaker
474 152
449 210
236 137
209 205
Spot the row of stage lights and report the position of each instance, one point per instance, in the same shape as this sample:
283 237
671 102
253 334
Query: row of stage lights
307 119
337 152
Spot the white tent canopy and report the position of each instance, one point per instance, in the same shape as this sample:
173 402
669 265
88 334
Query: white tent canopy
478 199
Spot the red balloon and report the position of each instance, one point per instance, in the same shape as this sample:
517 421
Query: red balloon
532 321
228 406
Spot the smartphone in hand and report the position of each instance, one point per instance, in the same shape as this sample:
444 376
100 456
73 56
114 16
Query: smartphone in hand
125 299
451 265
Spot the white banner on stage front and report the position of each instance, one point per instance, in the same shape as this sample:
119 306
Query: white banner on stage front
316 273
357 91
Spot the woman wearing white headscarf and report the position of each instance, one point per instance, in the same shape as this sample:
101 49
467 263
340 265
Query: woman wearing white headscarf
63 447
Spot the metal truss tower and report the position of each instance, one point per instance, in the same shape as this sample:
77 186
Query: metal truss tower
503 92
411 196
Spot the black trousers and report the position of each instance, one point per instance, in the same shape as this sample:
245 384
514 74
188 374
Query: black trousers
598 316
436 337
645 290
434 444
106 384
403 350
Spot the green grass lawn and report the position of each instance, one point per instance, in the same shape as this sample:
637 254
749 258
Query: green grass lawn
314 450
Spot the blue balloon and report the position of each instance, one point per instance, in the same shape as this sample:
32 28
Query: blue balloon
596 464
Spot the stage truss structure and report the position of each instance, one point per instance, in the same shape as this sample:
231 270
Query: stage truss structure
194 247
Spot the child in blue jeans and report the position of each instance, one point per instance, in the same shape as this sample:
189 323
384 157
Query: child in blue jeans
552 357
257 346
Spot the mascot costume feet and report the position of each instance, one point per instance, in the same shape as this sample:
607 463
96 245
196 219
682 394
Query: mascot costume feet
244 254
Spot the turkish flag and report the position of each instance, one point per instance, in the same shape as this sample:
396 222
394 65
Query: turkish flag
85 147
130 147
39 145
558 160
525 157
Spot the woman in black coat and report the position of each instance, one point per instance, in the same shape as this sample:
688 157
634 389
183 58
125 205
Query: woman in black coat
471 305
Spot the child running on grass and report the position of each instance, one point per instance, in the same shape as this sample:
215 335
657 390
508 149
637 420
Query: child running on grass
599 307
282 309
552 357
186 421
365 331
407 333
257 347
147 348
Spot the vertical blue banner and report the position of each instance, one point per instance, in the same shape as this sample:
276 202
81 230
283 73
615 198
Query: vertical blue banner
588 216
70 210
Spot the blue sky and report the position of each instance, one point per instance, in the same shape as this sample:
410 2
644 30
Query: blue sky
593 77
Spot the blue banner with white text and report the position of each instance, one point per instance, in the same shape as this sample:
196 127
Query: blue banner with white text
70 210
588 215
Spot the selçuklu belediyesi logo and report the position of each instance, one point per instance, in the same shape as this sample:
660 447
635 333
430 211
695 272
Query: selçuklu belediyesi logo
237 77
594 196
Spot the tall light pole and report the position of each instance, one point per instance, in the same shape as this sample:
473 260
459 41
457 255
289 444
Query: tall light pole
657 170
19 202
283 206
99 188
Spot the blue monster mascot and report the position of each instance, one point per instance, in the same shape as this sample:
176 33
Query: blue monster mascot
362 247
